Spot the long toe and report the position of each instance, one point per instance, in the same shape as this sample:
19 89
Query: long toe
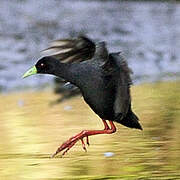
87 140
69 144
65 146
83 145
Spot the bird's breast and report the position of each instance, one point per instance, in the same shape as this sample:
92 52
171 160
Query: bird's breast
100 99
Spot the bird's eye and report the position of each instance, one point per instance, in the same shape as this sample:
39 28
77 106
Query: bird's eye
42 64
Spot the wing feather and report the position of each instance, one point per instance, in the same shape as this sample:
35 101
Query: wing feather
71 50
123 82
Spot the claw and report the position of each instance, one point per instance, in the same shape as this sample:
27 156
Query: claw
53 155
83 145
68 148
87 140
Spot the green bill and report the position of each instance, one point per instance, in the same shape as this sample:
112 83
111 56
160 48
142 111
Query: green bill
30 72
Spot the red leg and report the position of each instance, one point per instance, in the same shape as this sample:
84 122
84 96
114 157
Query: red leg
106 127
85 133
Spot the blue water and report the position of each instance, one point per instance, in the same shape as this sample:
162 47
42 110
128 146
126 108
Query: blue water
147 32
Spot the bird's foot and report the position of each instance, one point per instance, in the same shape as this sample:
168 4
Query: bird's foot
66 146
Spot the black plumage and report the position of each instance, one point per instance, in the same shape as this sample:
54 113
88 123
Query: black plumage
102 77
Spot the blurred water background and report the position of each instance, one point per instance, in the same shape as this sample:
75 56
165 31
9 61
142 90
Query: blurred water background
147 32
30 129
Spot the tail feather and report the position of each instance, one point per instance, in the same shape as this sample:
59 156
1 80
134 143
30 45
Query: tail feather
131 121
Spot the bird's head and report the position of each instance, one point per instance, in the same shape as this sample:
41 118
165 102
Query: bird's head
44 66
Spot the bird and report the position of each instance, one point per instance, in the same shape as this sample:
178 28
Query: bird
103 78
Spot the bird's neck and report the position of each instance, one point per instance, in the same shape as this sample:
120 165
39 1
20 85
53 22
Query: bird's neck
65 71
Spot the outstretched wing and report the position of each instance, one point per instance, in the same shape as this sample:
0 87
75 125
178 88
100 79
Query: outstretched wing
71 50
123 98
